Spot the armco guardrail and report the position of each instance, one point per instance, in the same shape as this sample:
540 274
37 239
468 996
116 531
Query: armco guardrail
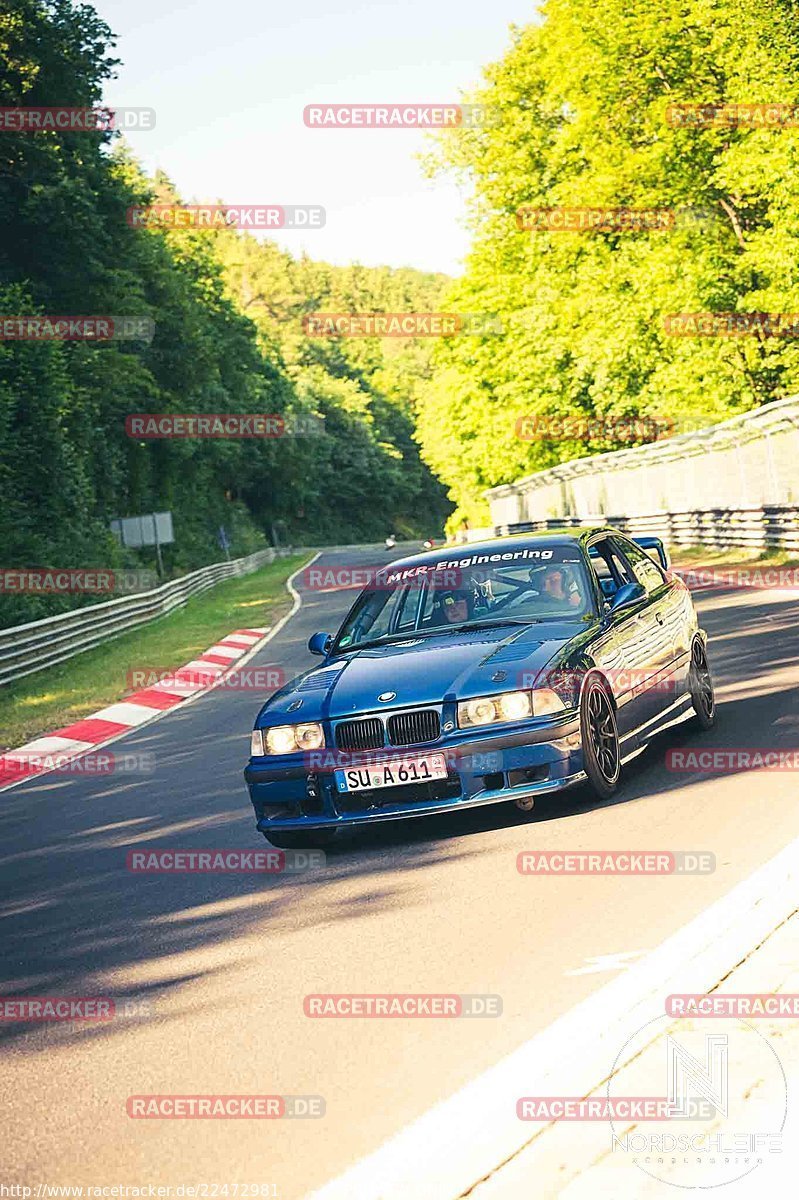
770 528
25 649
747 464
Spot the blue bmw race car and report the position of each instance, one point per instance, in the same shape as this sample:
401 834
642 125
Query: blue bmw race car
481 674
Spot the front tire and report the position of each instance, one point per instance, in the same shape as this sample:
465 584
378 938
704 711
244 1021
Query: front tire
700 684
600 739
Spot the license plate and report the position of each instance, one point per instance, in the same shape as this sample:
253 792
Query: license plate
391 774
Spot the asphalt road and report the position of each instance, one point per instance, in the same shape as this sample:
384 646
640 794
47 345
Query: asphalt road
215 967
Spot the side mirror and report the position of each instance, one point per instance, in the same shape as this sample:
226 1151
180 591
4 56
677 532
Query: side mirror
320 643
627 595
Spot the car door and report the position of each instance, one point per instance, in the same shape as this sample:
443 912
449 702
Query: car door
628 649
672 610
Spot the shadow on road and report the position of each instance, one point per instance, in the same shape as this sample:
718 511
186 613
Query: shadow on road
72 915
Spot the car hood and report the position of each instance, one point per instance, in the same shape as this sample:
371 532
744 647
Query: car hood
421 671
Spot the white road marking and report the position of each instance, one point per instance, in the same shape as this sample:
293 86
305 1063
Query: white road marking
47 746
54 745
469 1135
125 713
208 668
177 687
607 962
224 651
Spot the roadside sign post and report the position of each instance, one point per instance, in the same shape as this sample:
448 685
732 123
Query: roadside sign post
151 529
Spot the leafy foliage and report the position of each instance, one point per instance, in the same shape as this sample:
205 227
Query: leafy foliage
67 465
366 474
583 97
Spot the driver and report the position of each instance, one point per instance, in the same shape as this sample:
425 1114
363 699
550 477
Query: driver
560 586
456 605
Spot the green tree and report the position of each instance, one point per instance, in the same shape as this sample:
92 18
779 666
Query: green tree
583 100
67 464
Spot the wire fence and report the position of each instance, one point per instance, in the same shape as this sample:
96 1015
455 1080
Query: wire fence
774 528
741 472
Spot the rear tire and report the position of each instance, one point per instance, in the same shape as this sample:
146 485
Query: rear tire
700 685
600 738
292 840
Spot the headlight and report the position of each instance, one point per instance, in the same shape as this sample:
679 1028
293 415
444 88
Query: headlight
507 706
515 706
257 743
477 712
309 737
546 702
285 739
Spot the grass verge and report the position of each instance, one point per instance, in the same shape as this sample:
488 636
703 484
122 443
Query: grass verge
706 556
74 689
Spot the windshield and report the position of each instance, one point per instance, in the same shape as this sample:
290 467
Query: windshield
520 586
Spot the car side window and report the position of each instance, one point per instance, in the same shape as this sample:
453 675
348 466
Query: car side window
610 567
383 612
646 572
407 608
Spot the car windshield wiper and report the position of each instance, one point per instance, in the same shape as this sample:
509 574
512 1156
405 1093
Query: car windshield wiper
493 622
412 634
391 639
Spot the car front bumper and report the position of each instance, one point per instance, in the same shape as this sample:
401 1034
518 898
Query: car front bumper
483 768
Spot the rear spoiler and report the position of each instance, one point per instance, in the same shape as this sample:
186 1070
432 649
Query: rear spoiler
653 543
